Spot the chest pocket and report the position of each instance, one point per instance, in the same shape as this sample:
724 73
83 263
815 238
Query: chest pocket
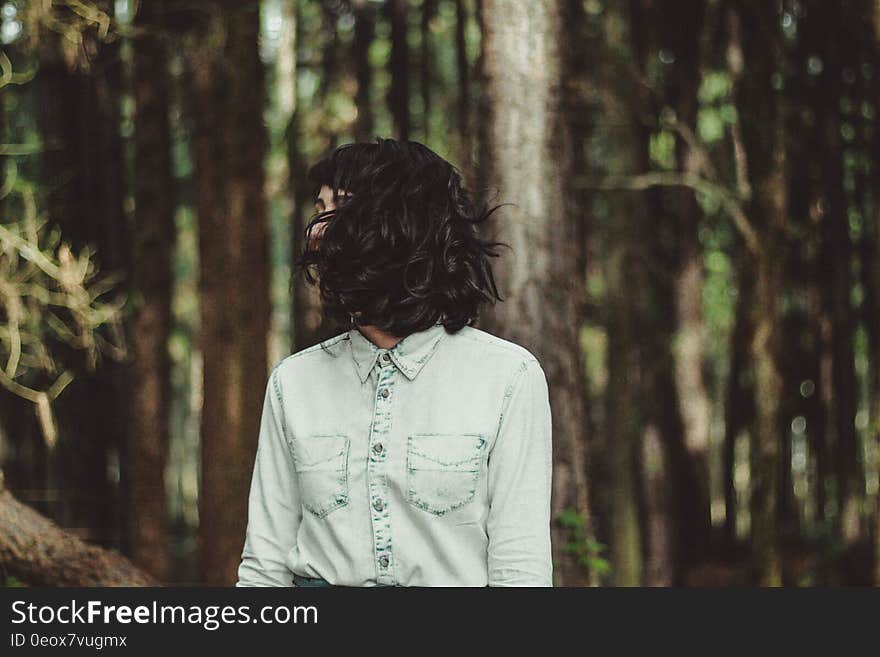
442 470
321 464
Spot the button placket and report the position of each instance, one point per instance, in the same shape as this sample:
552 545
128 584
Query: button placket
376 474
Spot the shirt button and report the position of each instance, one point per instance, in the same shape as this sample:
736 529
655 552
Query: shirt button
386 357
377 448
383 561
378 505
384 392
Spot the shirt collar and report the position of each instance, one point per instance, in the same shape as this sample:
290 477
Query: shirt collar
410 354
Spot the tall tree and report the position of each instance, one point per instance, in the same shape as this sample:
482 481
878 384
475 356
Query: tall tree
673 346
154 239
305 308
577 115
803 197
83 166
426 65
228 141
836 239
639 325
739 398
755 37
527 156
462 67
364 18
314 129
623 424
870 249
398 92
680 34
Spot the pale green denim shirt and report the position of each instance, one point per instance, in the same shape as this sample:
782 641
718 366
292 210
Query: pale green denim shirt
427 464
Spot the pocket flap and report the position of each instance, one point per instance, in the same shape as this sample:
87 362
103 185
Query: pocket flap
445 450
311 451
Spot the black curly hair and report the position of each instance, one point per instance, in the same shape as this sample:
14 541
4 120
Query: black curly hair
401 250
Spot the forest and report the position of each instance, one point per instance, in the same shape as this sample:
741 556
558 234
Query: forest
691 198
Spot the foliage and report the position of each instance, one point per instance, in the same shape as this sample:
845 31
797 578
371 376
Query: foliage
49 295
587 550
13 583
82 25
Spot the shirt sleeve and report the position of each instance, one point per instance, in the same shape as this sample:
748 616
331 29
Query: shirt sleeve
274 510
519 484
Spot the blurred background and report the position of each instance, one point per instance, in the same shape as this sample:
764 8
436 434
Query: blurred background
695 224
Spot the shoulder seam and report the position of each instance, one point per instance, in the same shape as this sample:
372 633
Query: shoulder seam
518 349
509 390
276 384
329 342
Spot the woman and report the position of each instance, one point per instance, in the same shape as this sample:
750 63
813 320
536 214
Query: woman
413 449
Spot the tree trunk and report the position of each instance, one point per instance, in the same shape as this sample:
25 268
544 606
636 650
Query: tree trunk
303 142
739 412
689 351
426 65
462 67
363 38
802 361
305 311
527 156
755 38
577 116
623 423
870 252
822 445
638 526
228 144
36 552
398 93
83 170
835 234
766 449
147 450
659 532
682 404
